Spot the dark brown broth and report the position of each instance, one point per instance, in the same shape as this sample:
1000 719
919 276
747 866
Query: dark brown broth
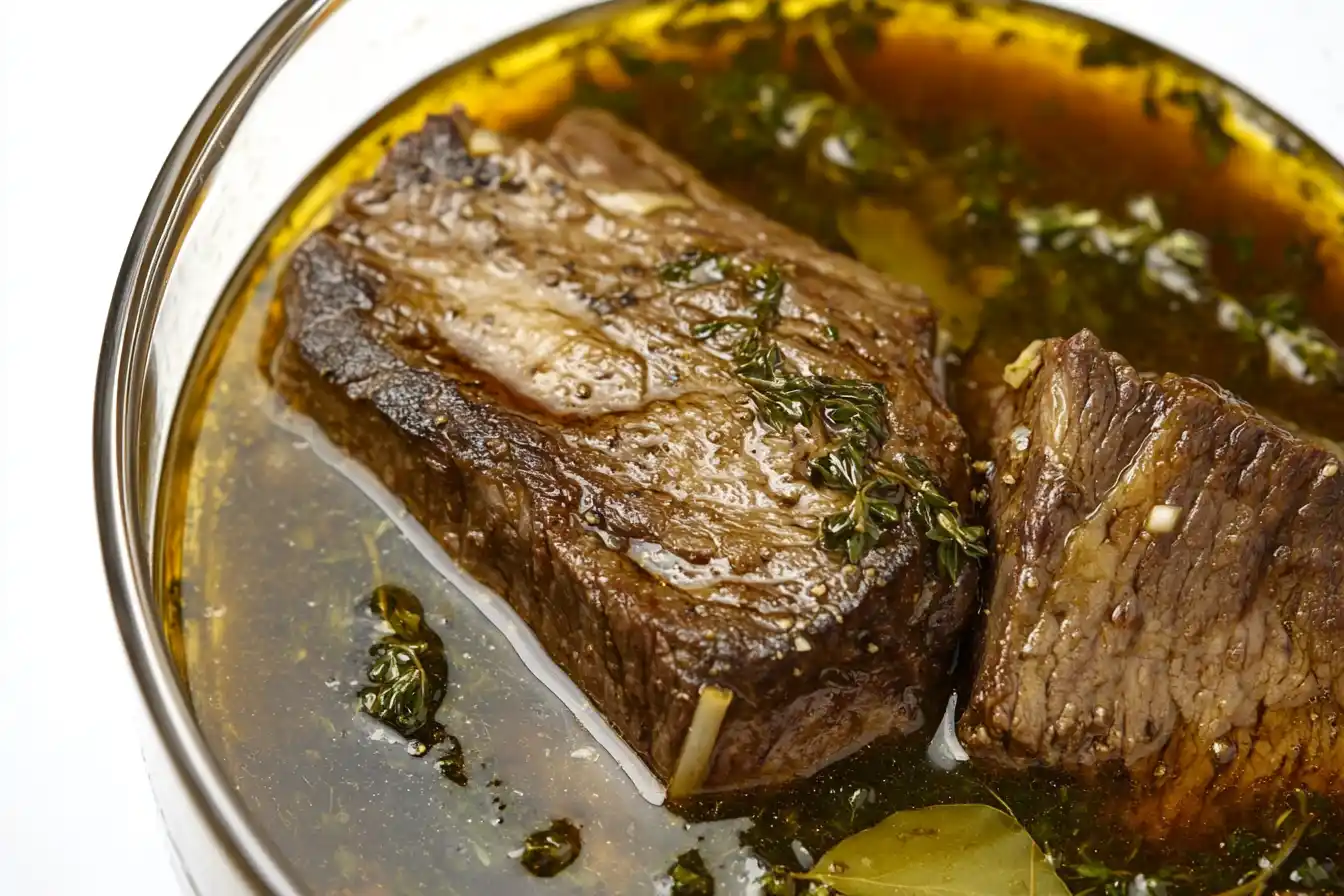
271 552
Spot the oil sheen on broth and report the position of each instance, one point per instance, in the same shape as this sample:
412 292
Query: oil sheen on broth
1033 175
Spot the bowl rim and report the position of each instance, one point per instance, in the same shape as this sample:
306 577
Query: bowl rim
136 298
127 558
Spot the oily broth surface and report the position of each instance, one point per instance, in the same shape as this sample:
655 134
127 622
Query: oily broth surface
284 553
271 552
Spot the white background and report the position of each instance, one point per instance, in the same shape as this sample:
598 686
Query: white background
94 94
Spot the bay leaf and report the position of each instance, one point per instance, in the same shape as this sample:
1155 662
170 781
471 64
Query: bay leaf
958 850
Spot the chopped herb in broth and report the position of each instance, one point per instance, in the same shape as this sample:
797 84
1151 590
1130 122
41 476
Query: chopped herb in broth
1209 109
1118 50
903 148
688 876
551 850
778 881
408 671
453 763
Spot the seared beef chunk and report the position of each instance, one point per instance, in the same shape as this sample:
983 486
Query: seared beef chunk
1169 592
502 331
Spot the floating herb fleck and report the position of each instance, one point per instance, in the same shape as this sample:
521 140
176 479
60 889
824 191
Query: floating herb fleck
1175 263
776 881
551 850
1297 348
688 876
1173 259
1323 875
1121 50
453 763
1098 880
409 672
852 414
1257 883
766 112
1209 108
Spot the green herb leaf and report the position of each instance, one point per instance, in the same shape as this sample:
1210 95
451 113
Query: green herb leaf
766 285
854 408
780 399
1296 347
780 402
1235 318
941 518
1176 263
1118 49
843 466
858 528
1257 883
453 763
762 112
714 327
408 674
1209 108
689 876
1058 226
551 850
1283 309
695 268
776 881
1304 353
968 850
1326 876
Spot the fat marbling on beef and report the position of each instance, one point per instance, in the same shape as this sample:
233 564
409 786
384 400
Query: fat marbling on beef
484 325
1168 599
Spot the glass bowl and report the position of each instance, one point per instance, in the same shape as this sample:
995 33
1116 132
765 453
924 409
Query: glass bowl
311 75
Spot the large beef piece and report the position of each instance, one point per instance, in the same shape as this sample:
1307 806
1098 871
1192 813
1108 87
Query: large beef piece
502 330
1168 601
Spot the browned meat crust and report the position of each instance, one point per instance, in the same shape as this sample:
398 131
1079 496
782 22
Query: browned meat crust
484 326
1200 649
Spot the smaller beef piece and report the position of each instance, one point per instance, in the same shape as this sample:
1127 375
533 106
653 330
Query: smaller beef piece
1169 592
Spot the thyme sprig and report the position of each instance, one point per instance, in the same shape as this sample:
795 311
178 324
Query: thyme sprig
851 413
885 494
940 517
